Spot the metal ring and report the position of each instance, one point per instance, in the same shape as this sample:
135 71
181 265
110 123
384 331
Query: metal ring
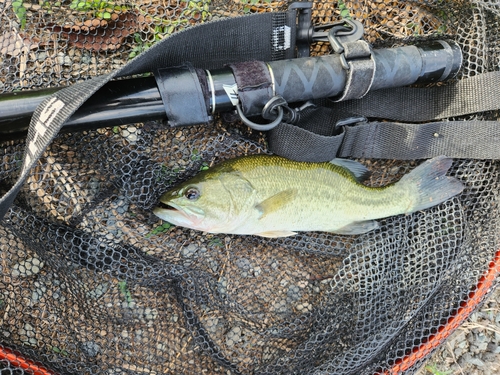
260 127
212 89
273 82
269 110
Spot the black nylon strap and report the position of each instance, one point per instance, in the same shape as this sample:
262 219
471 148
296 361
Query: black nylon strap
314 140
480 93
255 85
175 85
46 122
391 140
361 70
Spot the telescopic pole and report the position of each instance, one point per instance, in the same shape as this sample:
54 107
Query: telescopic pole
296 80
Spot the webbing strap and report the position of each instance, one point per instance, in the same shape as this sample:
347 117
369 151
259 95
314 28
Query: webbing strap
360 72
390 140
480 93
473 139
317 139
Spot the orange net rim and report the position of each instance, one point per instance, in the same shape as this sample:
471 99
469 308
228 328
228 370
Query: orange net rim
17 360
466 308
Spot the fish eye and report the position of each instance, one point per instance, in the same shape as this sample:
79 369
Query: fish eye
192 193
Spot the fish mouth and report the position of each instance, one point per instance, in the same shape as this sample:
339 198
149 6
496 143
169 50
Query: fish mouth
174 214
168 207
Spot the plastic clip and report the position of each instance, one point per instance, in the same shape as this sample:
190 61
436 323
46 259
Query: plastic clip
344 32
350 121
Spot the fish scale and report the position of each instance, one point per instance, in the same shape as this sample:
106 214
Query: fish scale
327 197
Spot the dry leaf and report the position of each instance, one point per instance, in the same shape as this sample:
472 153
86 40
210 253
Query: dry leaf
99 34
14 44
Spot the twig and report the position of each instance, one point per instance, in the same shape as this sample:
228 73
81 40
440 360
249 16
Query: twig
450 349
488 327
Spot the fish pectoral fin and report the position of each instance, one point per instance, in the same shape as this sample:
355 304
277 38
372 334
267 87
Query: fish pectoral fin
360 172
358 227
276 233
275 202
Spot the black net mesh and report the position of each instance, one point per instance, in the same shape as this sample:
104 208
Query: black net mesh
93 283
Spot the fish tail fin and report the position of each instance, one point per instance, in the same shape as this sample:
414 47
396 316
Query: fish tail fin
432 184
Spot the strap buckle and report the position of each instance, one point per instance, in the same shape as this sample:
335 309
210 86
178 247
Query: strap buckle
350 121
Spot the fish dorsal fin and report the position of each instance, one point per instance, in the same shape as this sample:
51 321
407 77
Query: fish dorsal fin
276 233
358 227
360 172
275 202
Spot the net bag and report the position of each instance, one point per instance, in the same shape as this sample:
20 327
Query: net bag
93 283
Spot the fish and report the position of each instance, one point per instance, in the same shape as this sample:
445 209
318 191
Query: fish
271 196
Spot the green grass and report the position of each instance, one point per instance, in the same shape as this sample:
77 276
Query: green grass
20 11
100 8
159 229
122 285
435 371
344 11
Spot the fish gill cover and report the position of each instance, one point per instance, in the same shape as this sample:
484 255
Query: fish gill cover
93 283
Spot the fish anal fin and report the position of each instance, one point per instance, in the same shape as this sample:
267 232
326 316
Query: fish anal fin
358 227
275 202
276 233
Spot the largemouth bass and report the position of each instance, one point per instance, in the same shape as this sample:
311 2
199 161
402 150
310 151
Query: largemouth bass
271 196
